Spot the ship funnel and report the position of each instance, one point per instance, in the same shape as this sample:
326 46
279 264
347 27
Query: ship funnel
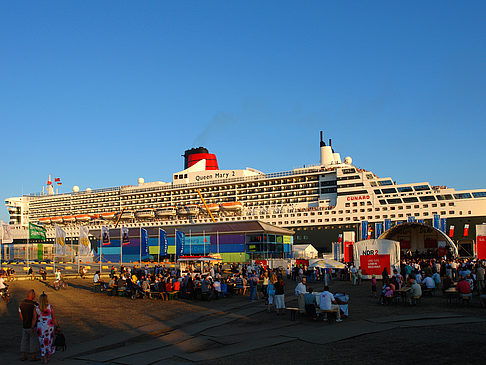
326 153
322 141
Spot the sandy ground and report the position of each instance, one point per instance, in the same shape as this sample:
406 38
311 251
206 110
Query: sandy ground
86 316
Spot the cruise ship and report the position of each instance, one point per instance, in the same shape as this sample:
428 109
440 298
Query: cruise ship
318 202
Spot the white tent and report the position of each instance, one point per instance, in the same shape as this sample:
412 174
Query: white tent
376 254
305 251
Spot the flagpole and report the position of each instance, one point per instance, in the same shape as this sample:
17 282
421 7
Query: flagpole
27 251
121 246
101 247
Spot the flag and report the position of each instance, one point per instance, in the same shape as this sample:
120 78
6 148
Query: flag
421 221
124 236
58 180
37 232
387 224
451 231
84 246
162 242
443 225
105 236
364 230
179 238
379 229
436 222
6 233
466 230
340 238
411 219
369 234
144 244
60 241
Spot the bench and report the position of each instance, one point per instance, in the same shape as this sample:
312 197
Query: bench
154 294
330 314
293 312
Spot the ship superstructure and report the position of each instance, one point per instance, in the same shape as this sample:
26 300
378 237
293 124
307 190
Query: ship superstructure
317 201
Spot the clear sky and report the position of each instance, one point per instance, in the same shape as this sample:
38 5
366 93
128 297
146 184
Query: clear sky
100 93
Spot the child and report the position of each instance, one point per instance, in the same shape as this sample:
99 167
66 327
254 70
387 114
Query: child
373 286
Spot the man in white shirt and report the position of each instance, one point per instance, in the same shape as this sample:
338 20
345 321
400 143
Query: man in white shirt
300 291
328 303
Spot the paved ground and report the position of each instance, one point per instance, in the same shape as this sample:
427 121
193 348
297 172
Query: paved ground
117 330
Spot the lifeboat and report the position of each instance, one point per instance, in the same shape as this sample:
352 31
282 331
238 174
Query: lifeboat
190 209
145 213
46 220
232 206
166 212
108 216
83 217
127 214
69 219
56 220
212 208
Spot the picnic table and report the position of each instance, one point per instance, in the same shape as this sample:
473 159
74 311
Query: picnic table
450 294
402 293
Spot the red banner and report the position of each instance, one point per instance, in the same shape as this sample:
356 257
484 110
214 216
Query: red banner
481 247
451 231
374 264
348 251
261 262
466 230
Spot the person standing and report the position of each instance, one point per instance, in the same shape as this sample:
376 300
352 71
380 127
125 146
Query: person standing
29 343
253 282
31 273
480 278
45 320
280 296
300 291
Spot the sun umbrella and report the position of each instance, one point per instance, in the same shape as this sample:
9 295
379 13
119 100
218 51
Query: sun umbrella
328 264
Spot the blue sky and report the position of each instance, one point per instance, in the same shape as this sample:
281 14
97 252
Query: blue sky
102 92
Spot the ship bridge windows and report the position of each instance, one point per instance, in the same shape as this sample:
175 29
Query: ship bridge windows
352 177
462 196
410 200
444 197
389 191
348 171
385 182
479 194
404 189
427 198
421 187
